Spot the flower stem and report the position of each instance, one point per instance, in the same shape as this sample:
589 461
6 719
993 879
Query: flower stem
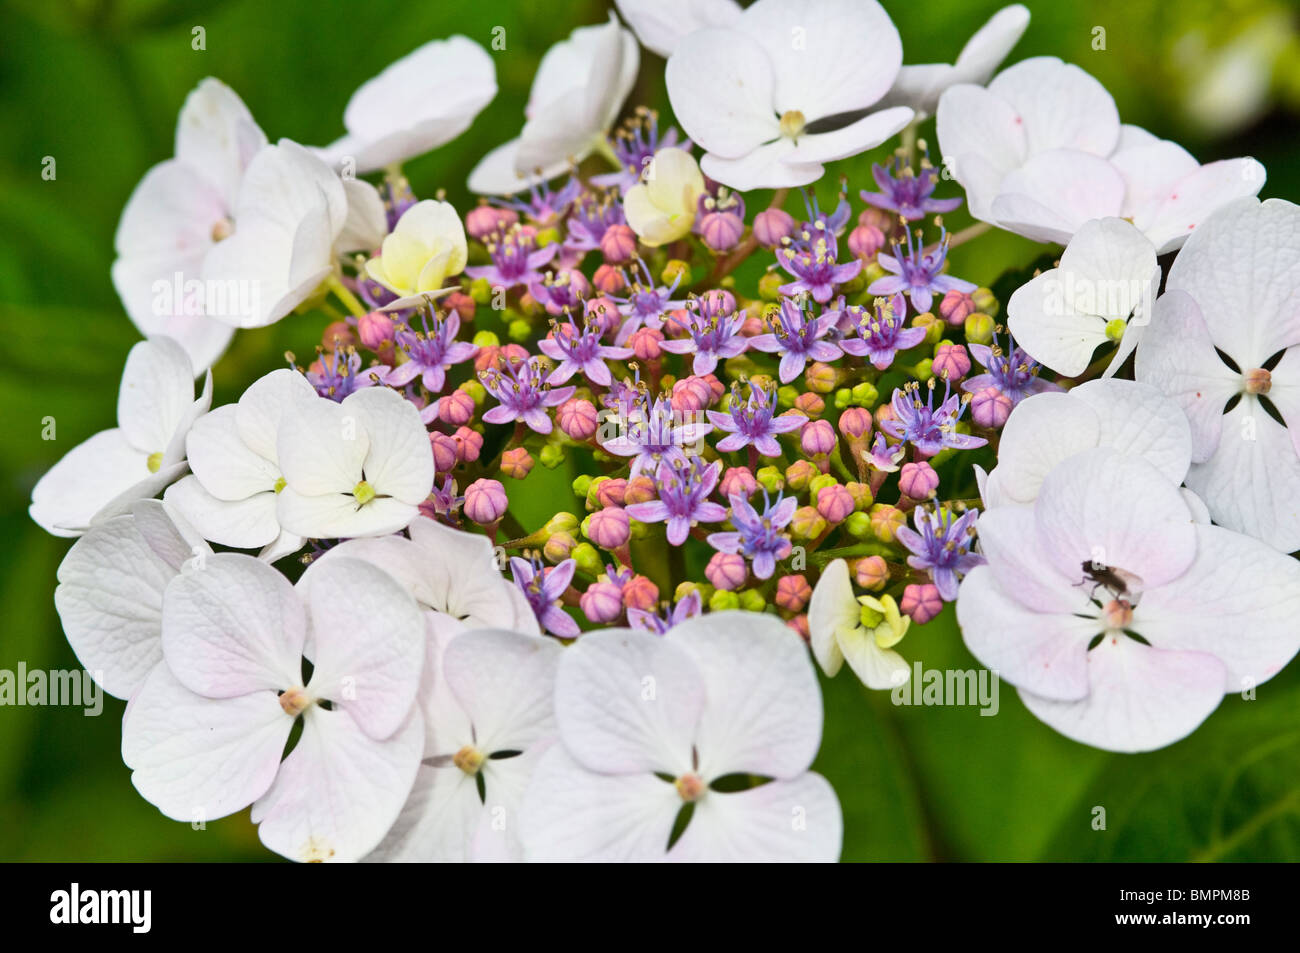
344 294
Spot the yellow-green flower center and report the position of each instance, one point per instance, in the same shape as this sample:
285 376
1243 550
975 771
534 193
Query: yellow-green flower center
1115 328
363 492
279 484
792 124
154 463
469 759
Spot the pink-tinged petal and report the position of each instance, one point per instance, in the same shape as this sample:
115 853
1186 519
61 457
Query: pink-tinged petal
1118 510
981 132
1243 268
244 524
233 625
710 513
1238 601
766 446
627 701
339 791
436 822
1140 698
1251 483
368 642
505 683
1045 652
1060 105
762 713
573 814
1199 195
1138 419
1054 193
1043 431
197 758
791 366
735 442
755 826
654 511
558 395
1178 357
499 415
538 420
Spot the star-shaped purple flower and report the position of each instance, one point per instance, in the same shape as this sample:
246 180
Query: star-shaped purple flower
635 144
522 394
714 327
580 349
687 608
809 257
543 588
431 352
941 545
882 332
516 259
684 490
753 422
652 431
927 428
906 193
341 374
758 537
646 303
917 273
797 337
1011 371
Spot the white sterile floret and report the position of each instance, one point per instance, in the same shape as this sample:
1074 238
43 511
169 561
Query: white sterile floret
205 735
648 724
101 477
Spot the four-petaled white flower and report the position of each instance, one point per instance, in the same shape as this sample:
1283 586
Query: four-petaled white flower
753 93
360 467
420 102
179 212
110 591
491 711
648 724
101 477
1041 151
1047 429
230 496
576 95
1102 292
859 629
1123 622
1225 344
205 734
921 86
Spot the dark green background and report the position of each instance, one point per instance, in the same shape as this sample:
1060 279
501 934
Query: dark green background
98 86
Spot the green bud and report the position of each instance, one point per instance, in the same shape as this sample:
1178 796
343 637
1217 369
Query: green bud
819 483
1115 329
859 525
843 398
475 390
686 588
770 479
581 485
588 559
519 330
769 286
807 523
865 394
547 236
551 455
979 328
870 617
480 289
638 530
751 600
593 501
722 600
486 339
562 522
985 301
676 271
786 396
923 370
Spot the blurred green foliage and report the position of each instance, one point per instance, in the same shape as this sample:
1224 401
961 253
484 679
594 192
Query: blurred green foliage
97 85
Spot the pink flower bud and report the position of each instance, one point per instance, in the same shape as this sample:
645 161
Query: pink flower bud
469 444
516 463
878 219
604 313
640 593
865 242
677 323
922 602
618 244
718 301
855 423
645 342
990 408
793 593
722 231
885 412
461 303
456 408
609 280
577 418
798 474
727 571
800 624
772 225
951 362
444 451
691 395
737 480
374 329
337 334
810 403
871 572
639 490
956 307
835 503
817 437
918 480
485 501
609 528
611 492
602 603
483 220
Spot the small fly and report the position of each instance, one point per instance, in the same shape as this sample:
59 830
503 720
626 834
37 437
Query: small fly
1116 581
